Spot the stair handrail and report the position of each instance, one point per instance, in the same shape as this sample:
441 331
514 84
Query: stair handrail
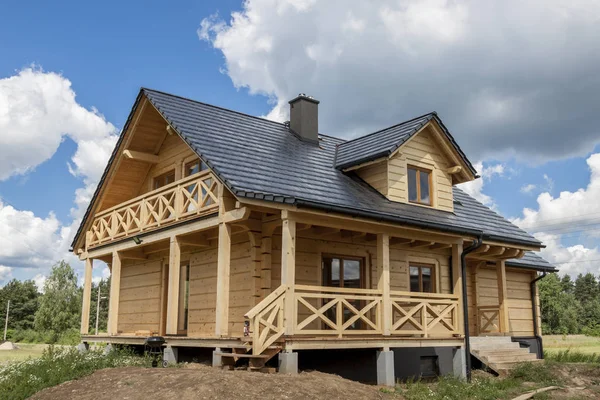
266 320
265 302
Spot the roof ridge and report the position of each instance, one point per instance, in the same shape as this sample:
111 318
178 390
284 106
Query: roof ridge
430 114
213 106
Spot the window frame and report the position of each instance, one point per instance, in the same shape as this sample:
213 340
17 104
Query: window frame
362 269
420 266
419 170
198 161
162 177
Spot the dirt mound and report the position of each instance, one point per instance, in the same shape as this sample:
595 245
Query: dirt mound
204 382
8 346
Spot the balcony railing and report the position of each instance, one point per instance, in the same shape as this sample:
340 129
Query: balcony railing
347 312
193 196
488 319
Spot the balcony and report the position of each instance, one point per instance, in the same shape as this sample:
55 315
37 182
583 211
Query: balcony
188 198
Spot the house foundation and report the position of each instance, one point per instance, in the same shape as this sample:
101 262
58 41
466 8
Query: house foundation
459 363
170 355
288 363
217 360
385 368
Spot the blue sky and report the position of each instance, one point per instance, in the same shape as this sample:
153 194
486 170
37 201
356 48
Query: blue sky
523 115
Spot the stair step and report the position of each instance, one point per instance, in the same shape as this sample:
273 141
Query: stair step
509 358
507 365
503 346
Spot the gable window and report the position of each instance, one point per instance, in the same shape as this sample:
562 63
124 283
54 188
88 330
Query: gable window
194 167
419 185
422 278
164 179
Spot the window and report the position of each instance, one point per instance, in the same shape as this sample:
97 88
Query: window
194 167
344 272
419 185
163 179
422 278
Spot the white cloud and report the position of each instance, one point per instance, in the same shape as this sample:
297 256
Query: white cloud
378 63
571 260
37 110
475 188
527 189
39 281
5 273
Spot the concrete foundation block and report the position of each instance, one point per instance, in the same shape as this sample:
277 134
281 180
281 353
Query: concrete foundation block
385 368
83 347
109 347
288 363
170 355
217 361
459 363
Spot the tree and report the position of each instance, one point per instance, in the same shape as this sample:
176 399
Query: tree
23 298
60 305
560 310
568 286
586 288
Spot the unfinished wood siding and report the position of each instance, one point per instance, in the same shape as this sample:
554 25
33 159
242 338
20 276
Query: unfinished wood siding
173 154
139 298
421 151
376 175
203 288
519 297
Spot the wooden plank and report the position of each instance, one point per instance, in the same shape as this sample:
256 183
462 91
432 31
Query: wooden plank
140 156
173 291
223 272
457 278
383 282
87 293
288 268
115 289
502 296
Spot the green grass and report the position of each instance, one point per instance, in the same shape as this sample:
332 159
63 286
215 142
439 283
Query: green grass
19 380
481 388
577 343
571 356
24 352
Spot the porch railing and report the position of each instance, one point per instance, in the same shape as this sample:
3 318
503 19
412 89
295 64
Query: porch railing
193 196
488 319
345 312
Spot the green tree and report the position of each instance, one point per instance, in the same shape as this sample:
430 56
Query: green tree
60 305
23 298
560 311
586 288
568 286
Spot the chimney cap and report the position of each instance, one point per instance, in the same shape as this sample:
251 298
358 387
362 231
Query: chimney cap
302 96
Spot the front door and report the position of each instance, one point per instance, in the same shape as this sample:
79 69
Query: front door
348 273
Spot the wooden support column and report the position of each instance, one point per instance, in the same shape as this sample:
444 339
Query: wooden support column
265 265
383 284
87 294
255 271
288 268
223 270
457 278
115 289
173 286
502 296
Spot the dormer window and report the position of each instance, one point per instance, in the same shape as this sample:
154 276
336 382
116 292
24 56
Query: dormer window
419 185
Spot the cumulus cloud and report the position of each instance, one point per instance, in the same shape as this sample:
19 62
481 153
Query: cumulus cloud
5 274
37 110
475 188
504 82
527 189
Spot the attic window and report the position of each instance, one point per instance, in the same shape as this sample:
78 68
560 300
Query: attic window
419 185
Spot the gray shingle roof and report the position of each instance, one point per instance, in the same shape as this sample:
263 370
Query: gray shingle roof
261 159
384 142
532 261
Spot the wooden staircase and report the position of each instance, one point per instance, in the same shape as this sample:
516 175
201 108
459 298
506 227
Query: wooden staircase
256 362
500 353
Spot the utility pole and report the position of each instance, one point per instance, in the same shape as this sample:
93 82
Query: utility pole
6 319
98 308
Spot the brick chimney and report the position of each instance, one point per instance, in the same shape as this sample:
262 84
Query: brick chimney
304 117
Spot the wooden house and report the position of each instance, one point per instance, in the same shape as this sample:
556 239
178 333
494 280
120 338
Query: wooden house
210 219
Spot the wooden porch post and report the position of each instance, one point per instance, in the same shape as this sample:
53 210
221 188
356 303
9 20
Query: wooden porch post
173 286
115 289
383 284
223 270
288 267
87 293
502 296
457 278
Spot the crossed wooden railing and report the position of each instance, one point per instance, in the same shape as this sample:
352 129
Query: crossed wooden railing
488 319
344 312
193 196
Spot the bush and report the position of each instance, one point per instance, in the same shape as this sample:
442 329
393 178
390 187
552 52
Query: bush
569 356
22 379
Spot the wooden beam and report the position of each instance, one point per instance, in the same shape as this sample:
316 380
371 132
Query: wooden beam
457 278
140 156
115 289
265 262
173 291
87 293
454 170
511 253
170 130
440 246
482 249
502 296
302 227
352 234
383 283
324 231
134 254
396 240
255 270
223 272
236 215
288 267
421 244
495 251
201 241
